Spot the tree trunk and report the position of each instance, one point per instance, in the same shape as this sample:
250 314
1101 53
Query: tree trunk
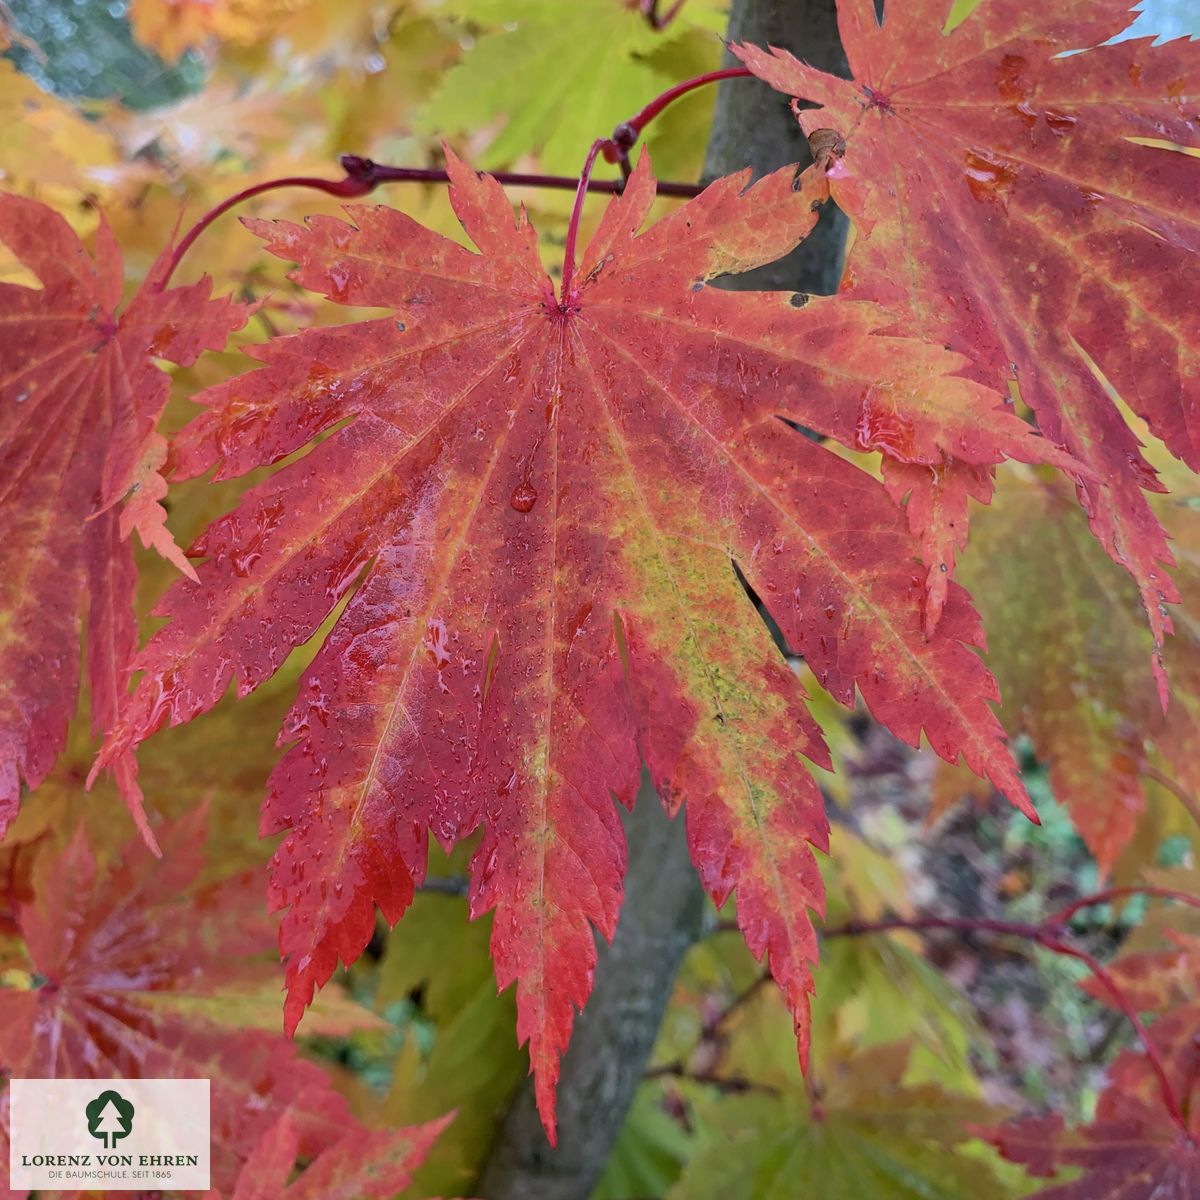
664 905
754 126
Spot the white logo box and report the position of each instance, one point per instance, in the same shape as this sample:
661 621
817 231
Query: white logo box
118 1135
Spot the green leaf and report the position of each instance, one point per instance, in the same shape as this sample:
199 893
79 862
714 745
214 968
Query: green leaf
561 76
650 1151
474 1064
867 1137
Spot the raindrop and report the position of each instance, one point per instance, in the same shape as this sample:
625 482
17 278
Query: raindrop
523 497
1061 123
489 868
339 279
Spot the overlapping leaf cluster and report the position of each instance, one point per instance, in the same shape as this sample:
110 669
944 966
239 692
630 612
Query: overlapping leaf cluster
140 969
517 518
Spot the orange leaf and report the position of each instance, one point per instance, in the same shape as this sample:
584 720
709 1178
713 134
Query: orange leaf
1032 209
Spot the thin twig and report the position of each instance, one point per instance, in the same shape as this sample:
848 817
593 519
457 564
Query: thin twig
1021 929
733 1084
713 1027
377 173
446 885
1110 985
1049 934
1120 893
363 175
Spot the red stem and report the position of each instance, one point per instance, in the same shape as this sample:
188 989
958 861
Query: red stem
659 21
1119 893
334 187
639 122
917 924
363 176
1110 985
568 274
616 148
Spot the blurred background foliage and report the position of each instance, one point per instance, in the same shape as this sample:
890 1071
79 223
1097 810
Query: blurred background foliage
152 111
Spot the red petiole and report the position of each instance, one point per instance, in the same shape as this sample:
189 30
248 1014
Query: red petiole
660 20
568 274
616 148
1121 893
349 186
364 176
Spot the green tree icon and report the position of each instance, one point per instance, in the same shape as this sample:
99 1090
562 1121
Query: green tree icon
110 1118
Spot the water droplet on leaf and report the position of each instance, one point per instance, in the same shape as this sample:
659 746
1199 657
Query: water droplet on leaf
524 497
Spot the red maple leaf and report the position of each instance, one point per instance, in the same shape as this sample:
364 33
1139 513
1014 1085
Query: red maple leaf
79 400
366 1165
542 502
936 499
1036 212
1132 1150
115 961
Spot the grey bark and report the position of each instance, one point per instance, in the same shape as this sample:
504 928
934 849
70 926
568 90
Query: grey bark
663 911
754 126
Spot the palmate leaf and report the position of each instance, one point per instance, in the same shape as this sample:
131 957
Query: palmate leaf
115 959
1155 980
557 76
1038 213
867 1134
543 502
363 1165
1158 966
1072 669
1132 1150
79 400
